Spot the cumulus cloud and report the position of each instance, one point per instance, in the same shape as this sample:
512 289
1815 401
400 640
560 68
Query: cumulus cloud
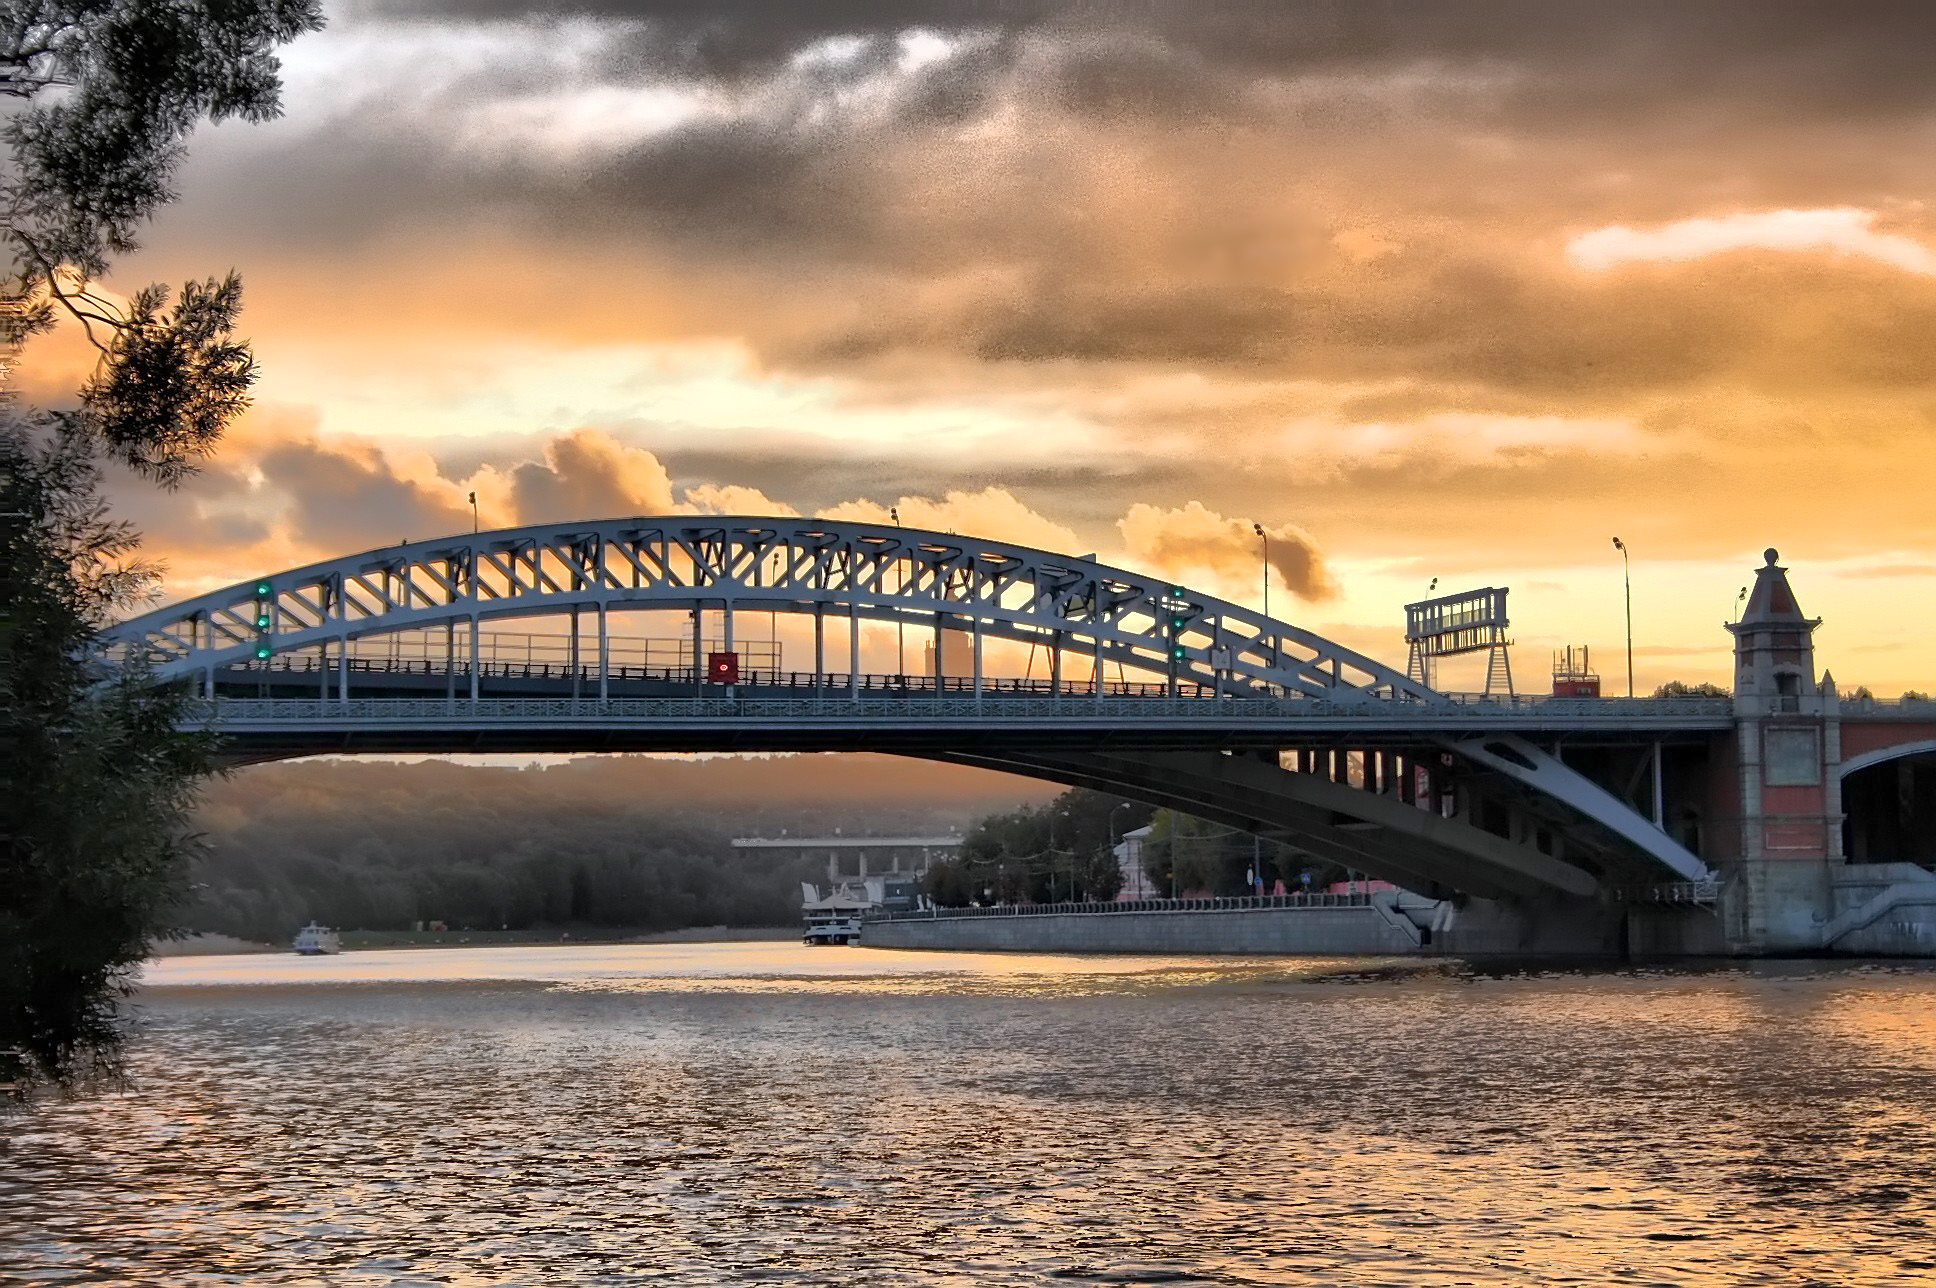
727 498
589 475
1842 230
993 512
1195 540
341 496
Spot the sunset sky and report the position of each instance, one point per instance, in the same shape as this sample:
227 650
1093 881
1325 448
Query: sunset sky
1432 290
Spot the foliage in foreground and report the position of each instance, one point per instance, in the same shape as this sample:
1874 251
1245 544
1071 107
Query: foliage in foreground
97 781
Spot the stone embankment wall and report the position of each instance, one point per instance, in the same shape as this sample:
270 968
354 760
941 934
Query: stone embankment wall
1275 931
1469 928
1882 910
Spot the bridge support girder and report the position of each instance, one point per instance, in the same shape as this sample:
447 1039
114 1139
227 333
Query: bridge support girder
1376 833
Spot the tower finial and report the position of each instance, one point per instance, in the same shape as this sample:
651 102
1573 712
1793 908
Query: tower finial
1771 554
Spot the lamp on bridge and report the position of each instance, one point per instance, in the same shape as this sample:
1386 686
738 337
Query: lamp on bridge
900 627
1258 528
1626 577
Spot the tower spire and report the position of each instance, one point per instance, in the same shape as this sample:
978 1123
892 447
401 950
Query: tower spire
1774 647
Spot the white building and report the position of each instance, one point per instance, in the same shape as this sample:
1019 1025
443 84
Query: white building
1129 862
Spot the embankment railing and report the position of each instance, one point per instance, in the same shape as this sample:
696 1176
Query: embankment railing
1232 903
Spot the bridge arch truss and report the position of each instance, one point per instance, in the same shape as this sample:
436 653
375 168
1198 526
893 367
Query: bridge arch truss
1081 611
1237 666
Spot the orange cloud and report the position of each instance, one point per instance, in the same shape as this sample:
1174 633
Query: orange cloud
588 474
727 498
993 512
1197 541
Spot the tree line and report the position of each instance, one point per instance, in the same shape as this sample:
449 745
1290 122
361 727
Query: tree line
1064 849
617 842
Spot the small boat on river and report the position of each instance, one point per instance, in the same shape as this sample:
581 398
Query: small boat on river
832 928
317 941
836 918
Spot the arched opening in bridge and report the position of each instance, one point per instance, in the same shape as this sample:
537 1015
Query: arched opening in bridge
1889 811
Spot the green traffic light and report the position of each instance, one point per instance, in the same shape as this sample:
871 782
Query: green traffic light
263 588
263 652
262 622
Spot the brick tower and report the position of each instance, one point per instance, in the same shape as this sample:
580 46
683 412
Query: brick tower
1787 749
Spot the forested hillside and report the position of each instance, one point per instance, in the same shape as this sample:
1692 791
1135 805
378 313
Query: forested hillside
616 841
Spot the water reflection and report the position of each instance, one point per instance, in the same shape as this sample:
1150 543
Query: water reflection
718 1113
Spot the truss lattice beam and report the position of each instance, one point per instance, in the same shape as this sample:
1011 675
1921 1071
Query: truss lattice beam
888 574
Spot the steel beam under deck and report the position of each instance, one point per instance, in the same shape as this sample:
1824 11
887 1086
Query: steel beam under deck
1401 843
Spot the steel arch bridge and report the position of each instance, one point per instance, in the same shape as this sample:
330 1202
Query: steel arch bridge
1231 714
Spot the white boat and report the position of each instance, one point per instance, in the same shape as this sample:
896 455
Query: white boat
317 941
832 928
836 918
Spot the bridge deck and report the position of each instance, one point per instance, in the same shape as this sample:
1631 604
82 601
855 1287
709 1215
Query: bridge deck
780 718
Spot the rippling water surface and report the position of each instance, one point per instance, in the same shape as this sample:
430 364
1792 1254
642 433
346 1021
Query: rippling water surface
732 1112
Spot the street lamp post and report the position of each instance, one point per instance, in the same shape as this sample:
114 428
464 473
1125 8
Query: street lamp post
1053 852
900 627
1258 528
473 512
1169 850
1626 577
1110 826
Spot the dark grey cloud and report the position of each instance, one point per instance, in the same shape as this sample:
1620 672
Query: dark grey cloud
1584 54
347 497
210 513
1087 184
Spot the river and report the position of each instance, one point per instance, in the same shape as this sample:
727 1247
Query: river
719 1113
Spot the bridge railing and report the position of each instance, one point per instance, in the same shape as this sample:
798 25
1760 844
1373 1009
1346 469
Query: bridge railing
1912 705
876 704
765 684
1705 893
1232 903
751 679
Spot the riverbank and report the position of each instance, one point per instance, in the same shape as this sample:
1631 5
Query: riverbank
206 945
1381 924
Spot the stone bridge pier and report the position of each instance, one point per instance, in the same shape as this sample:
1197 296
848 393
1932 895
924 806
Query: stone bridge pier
1825 807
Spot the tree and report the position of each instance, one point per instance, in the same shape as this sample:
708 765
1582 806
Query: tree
1680 689
1189 855
97 781
1098 876
1058 851
1202 857
947 884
